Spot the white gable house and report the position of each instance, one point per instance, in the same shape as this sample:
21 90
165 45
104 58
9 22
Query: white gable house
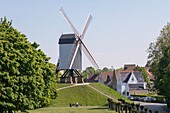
128 81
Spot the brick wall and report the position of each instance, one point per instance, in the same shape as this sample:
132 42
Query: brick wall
138 92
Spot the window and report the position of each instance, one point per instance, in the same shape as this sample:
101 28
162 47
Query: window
132 79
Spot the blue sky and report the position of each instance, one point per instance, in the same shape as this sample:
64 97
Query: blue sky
119 33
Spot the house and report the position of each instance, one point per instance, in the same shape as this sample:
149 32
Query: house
131 82
127 81
103 77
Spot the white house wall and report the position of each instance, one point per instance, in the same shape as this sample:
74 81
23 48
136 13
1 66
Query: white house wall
144 85
119 88
126 89
123 88
119 83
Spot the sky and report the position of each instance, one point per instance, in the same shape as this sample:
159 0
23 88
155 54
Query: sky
120 32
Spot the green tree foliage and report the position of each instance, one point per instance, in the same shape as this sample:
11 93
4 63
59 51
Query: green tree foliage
159 60
162 80
105 69
155 48
121 68
88 71
91 71
98 71
27 79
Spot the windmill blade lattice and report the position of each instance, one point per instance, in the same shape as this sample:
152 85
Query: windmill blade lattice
79 41
68 21
89 56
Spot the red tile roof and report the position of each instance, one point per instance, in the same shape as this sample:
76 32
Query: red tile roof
104 76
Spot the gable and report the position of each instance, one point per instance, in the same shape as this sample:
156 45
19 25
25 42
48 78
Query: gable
94 77
132 79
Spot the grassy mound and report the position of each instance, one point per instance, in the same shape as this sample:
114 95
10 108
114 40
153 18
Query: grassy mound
84 95
62 85
109 91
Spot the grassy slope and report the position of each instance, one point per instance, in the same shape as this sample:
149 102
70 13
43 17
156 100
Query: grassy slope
108 91
62 85
84 95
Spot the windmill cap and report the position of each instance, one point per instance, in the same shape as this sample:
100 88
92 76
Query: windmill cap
67 39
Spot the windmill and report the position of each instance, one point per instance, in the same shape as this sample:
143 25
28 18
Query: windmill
70 52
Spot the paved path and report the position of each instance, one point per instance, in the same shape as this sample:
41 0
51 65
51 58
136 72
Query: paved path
101 92
161 107
73 86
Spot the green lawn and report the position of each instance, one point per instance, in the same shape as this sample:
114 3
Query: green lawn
72 110
59 85
84 95
87 98
108 91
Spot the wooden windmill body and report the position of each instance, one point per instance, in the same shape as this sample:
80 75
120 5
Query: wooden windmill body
66 44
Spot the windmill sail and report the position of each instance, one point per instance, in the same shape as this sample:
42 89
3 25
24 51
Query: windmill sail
79 41
68 21
89 18
90 57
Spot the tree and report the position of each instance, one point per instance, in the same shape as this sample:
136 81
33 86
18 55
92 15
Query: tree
27 79
155 48
159 60
98 71
105 69
121 68
163 78
144 73
88 71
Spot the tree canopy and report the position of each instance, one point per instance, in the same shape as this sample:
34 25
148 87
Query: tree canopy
159 60
27 79
144 73
105 69
88 71
163 74
155 49
91 71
